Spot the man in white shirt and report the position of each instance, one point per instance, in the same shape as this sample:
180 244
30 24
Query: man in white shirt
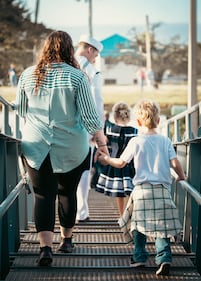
86 53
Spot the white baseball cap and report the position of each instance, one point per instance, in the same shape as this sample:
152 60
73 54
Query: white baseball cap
91 41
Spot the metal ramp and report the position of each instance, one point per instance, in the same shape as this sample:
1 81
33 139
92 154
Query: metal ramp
100 254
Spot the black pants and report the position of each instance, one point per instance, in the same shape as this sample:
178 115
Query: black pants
46 186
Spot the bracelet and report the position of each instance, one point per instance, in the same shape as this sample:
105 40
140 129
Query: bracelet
102 145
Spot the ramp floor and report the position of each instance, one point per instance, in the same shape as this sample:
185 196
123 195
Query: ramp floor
100 254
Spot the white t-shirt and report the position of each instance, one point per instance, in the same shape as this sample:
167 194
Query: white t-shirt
151 155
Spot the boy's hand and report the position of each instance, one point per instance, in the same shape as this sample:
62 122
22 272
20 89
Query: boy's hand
103 158
101 150
181 178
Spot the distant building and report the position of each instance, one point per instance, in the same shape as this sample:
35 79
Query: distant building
113 45
116 60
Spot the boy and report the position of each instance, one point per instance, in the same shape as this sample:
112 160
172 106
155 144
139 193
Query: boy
150 207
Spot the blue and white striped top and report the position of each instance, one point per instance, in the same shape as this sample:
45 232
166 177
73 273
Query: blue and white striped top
57 117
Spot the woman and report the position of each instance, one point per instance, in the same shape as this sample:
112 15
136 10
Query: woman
54 96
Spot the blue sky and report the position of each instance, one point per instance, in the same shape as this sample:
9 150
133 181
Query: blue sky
71 12
73 15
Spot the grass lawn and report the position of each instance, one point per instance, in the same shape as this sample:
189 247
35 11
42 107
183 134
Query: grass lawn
166 95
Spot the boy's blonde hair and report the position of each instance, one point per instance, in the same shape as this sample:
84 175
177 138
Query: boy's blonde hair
147 111
121 111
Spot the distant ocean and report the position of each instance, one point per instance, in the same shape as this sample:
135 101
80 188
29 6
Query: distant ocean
164 33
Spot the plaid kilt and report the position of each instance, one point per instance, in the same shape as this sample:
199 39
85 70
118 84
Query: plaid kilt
151 211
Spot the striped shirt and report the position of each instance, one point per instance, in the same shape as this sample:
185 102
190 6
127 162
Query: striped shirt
58 117
95 79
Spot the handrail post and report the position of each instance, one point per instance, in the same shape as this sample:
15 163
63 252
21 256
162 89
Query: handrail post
9 221
4 248
198 252
6 129
187 223
12 176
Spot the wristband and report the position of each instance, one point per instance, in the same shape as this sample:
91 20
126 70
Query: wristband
102 145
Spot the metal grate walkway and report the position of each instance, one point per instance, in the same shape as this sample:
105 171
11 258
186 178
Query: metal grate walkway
100 254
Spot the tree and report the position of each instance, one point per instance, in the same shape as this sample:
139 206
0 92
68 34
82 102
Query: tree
17 36
11 25
172 56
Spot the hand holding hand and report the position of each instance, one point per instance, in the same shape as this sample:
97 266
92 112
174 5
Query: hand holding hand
101 150
103 158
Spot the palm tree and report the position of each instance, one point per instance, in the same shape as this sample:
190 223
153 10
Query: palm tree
89 17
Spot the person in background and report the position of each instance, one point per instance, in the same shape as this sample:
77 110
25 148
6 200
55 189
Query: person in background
114 181
86 54
54 97
150 77
12 75
141 78
150 209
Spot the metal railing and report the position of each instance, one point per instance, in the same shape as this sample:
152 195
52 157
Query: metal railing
8 128
13 204
186 193
183 126
13 199
184 131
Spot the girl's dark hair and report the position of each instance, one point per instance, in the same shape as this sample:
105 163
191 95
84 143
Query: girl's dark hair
58 47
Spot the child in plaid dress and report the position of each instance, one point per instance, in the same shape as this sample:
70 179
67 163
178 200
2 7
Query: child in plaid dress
114 181
150 210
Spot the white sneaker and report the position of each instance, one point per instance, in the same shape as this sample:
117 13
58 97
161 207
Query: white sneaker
163 269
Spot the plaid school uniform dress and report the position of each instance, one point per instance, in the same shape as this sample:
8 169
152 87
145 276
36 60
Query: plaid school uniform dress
113 181
151 211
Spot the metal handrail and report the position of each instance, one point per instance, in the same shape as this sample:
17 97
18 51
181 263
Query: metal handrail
6 102
189 188
175 120
5 205
183 114
6 128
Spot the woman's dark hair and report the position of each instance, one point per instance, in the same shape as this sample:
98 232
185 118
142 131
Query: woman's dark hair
58 47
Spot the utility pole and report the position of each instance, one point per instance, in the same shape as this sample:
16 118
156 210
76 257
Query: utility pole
36 21
192 74
148 45
90 13
192 50
36 11
90 19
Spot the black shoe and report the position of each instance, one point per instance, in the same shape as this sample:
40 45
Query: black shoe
66 245
84 220
45 257
137 263
163 269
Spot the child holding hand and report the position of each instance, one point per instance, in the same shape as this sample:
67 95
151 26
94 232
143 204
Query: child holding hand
113 181
150 210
